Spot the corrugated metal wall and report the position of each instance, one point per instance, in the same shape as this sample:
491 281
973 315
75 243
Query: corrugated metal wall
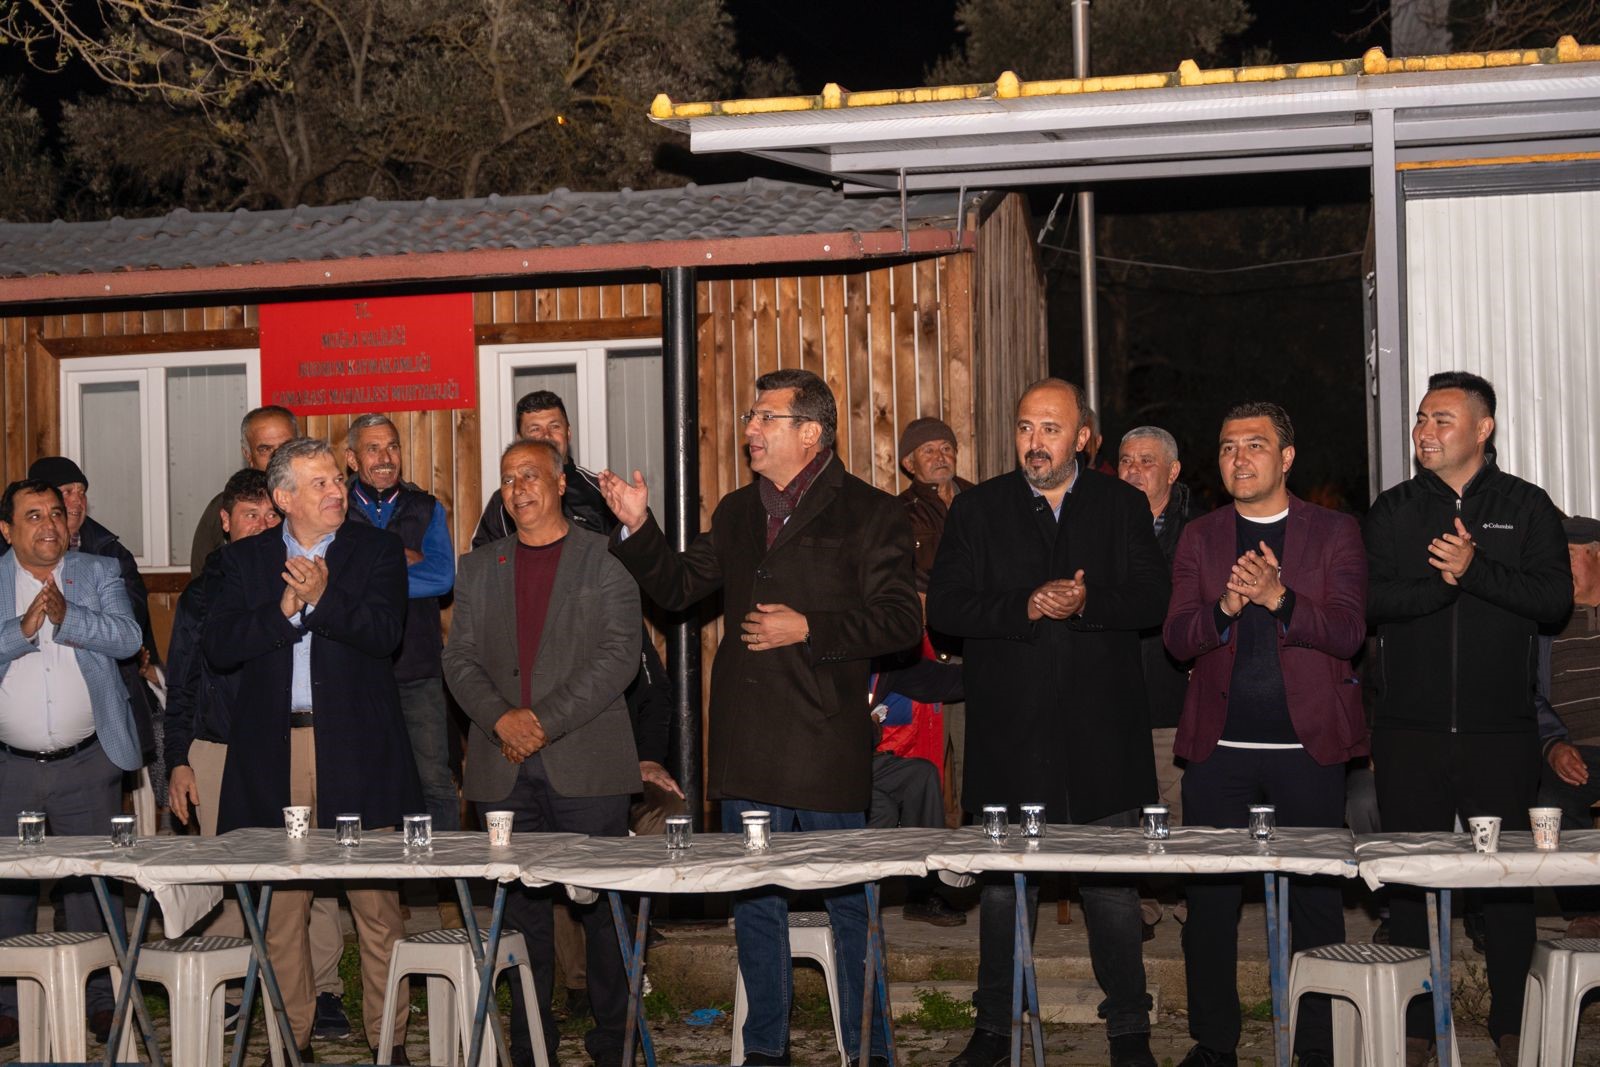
1509 287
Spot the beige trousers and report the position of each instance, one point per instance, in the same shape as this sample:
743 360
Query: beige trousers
206 759
375 911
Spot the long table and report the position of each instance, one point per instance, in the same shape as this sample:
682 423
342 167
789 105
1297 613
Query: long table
1439 863
1115 850
718 863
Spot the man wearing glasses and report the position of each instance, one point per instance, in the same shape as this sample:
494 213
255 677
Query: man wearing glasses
815 570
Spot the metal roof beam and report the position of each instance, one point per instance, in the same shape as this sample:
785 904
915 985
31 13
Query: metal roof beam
1187 143
1166 168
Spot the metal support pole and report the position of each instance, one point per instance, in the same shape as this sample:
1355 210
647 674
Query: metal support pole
1439 959
1392 459
484 958
638 1024
683 518
1086 248
1277 971
480 1011
126 950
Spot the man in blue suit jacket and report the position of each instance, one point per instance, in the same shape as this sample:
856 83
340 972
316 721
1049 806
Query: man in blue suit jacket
310 618
66 730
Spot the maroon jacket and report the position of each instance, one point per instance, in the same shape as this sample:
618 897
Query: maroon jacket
1325 563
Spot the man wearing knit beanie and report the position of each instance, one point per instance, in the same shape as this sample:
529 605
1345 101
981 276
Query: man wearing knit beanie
928 456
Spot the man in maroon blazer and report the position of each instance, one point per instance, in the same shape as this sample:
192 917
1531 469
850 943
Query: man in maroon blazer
1269 601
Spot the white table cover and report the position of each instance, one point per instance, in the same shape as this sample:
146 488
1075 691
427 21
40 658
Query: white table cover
66 857
1447 861
1120 850
718 863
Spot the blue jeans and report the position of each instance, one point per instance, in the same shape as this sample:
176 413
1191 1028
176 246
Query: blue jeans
422 707
761 930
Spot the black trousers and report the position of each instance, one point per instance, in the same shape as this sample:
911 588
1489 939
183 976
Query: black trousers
1218 791
539 808
1427 779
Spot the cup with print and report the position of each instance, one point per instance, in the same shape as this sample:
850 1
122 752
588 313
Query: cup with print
297 821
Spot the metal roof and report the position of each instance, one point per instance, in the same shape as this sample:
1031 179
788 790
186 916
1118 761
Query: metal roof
756 221
1186 122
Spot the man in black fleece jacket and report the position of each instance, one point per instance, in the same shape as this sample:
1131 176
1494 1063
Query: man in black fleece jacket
1466 563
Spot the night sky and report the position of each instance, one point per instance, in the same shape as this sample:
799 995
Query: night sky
888 44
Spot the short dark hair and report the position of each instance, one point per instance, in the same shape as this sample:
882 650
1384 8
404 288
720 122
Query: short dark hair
813 400
1265 409
1078 396
25 485
1477 388
247 484
539 400
269 410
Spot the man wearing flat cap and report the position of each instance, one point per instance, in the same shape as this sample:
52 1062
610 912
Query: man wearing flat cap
1568 705
92 539
928 456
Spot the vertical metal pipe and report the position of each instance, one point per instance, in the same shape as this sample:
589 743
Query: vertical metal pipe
1086 262
1393 458
683 518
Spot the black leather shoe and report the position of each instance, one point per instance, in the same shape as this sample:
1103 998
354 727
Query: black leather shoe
1201 1056
330 1023
100 1024
985 1049
8 1030
933 910
752 1059
1131 1050
396 1055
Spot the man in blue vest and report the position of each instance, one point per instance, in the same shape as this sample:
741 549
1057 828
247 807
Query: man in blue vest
380 498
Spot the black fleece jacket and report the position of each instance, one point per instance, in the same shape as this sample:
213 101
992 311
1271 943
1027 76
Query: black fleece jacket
1463 658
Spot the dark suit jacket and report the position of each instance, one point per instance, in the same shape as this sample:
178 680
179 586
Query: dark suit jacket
1325 563
788 725
1055 708
588 653
364 761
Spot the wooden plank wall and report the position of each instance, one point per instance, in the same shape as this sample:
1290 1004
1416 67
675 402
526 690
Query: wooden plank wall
1009 328
894 343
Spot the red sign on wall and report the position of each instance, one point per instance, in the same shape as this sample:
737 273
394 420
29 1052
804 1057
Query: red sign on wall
400 353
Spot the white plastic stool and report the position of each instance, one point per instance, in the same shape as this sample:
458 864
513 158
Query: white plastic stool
1562 972
193 970
446 958
1371 985
810 938
51 971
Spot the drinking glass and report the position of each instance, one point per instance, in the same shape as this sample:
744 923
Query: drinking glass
1263 822
347 830
994 822
1156 822
123 833
1032 821
30 827
419 831
679 831
757 830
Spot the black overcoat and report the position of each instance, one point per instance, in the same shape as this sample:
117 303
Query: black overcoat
1055 709
789 726
364 761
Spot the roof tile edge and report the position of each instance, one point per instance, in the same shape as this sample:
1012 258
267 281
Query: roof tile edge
1009 86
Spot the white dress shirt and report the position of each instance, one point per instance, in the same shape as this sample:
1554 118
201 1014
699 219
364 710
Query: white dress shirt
44 701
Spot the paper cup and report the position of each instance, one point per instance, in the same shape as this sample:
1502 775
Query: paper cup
499 825
1485 832
1546 824
296 821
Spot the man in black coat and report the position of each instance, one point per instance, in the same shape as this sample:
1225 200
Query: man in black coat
1466 564
815 570
542 416
1048 574
310 619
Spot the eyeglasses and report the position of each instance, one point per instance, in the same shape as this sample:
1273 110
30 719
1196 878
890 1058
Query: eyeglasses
768 416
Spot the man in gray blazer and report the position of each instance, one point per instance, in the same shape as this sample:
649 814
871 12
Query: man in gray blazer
66 729
544 639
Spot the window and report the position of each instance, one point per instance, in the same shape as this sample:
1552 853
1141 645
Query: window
613 395
157 436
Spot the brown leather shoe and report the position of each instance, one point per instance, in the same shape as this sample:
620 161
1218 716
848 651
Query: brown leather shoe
8 1030
1584 926
1507 1048
1419 1052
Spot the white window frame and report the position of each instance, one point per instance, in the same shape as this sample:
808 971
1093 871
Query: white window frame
150 373
497 365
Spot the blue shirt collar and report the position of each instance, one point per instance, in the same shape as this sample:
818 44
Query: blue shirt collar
296 550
